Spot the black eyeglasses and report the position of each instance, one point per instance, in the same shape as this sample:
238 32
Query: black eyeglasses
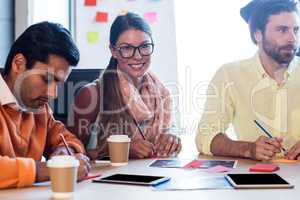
128 51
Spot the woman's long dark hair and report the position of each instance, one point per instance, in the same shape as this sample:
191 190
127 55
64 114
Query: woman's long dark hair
110 94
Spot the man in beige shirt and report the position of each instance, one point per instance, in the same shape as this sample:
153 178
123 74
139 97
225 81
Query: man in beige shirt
263 88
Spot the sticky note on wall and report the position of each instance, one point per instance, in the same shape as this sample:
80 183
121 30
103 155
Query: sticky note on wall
123 12
90 2
93 37
102 17
150 17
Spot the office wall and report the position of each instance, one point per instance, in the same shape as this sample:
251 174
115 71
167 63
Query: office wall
92 35
6 27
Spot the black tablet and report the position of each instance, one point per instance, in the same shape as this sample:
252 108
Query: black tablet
257 180
133 179
104 158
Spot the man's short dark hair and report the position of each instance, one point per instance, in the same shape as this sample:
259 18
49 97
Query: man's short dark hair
39 41
257 13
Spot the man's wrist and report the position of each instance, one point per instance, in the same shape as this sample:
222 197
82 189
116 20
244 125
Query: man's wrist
42 173
248 150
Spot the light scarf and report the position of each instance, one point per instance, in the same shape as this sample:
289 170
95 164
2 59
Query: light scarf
149 104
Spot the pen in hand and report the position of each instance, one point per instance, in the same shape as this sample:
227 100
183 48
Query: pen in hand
267 133
89 176
65 144
141 132
139 128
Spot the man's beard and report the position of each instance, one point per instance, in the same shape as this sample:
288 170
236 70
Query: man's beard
281 54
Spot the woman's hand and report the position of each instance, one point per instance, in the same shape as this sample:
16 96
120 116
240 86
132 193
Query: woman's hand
167 145
140 148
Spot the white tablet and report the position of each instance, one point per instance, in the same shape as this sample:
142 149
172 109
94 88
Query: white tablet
133 179
257 180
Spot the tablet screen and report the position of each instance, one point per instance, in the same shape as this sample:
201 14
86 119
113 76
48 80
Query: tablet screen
133 179
105 158
257 179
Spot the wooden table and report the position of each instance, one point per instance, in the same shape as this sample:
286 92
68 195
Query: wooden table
87 190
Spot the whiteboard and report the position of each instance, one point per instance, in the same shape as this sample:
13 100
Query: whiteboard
97 55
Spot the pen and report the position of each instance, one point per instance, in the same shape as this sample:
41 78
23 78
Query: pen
266 132
88 177
139 128
140 131
65 144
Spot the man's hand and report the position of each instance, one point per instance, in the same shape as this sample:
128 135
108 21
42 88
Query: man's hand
167 145
140 148
265 148
294 152
84 166
61 151
84 161
42 173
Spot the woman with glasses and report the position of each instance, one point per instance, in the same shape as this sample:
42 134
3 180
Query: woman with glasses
127 98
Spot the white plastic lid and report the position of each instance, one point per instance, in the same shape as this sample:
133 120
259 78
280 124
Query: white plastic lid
118 138
63 161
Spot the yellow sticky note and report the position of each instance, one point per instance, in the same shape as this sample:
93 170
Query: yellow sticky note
123 12
93 37
285 161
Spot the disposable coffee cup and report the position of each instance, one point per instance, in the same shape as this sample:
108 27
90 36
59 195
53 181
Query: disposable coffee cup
63 175
118 146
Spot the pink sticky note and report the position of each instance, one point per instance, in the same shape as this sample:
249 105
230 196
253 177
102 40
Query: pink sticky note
193 164
218 169
260 167
151 17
